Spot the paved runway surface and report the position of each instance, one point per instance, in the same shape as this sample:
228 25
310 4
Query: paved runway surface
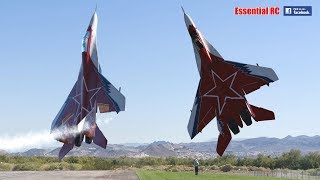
68 175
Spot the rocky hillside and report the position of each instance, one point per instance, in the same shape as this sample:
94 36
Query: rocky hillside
243 148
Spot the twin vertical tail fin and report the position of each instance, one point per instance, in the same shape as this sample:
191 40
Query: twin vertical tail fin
224 138
64 150
257 113
99 138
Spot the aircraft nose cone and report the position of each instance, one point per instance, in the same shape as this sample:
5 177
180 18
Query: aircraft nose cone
94 19
188 20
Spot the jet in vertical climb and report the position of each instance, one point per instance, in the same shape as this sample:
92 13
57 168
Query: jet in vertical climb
92 91
222 89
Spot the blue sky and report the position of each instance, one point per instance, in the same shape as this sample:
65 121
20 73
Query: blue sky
144 47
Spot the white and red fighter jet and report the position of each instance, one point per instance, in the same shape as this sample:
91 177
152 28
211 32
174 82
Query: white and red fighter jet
91 92
222 89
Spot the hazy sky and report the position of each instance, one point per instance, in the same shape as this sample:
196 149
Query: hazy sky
144 47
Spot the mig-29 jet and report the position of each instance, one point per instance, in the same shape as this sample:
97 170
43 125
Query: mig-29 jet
222 89
91 92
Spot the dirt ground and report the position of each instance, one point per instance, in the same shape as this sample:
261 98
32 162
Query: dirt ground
68 175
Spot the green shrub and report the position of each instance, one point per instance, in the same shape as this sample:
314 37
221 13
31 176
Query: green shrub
253 168
172 168
102 164
226 168
314 172
26 167
72 159
51 167
74 167
242 168
5 166
171 160
4 158
214 167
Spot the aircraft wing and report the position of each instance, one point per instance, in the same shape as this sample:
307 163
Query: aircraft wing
251 77
203 111
109 98
257 73
68 110
256 76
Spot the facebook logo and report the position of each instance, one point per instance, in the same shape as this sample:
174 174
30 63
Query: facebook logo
287 10
297 11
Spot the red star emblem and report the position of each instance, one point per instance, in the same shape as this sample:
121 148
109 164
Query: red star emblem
223 90
91 94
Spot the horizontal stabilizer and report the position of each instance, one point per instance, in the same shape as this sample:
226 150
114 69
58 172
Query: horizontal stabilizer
64 150
260 114
99 138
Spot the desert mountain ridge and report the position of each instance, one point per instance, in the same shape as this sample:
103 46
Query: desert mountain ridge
241 148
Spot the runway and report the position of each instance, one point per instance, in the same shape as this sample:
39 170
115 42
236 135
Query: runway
69 175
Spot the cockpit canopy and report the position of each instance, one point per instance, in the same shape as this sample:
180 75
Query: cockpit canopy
85 42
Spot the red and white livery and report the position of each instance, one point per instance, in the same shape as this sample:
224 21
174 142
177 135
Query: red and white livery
222 89
76 120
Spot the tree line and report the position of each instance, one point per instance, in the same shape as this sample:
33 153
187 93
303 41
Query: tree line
291 160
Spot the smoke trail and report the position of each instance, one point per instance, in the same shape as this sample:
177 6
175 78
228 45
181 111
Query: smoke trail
22 142
105 118
44 139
